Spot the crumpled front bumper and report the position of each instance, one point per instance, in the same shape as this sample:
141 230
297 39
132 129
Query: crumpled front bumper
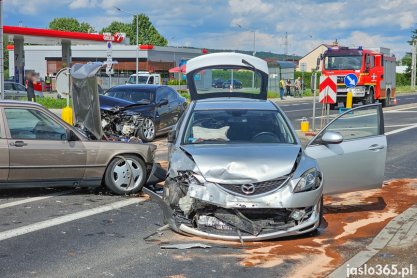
307 226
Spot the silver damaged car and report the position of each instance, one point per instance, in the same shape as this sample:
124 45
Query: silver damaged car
237 170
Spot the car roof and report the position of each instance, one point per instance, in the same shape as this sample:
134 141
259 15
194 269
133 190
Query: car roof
19 103
147 87
234 103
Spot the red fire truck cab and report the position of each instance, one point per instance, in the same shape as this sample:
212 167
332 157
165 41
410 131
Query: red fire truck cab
375 70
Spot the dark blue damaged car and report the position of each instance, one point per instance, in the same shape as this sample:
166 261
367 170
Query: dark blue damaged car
142 111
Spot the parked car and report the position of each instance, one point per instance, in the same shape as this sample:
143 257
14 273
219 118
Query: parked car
13 90
238 171
156 108
236 84
38 149
217 83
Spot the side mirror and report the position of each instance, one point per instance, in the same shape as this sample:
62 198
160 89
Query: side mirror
163 102
71 136
172 135
331 137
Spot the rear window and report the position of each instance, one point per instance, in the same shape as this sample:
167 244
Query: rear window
227 80
130 94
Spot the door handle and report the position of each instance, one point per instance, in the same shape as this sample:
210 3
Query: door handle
376 147
18 144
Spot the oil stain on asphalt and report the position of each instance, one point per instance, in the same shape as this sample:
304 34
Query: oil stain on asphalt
351 220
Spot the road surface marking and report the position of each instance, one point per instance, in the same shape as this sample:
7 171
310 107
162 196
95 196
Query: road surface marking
398 111
390 126
33 199
68 218
401 129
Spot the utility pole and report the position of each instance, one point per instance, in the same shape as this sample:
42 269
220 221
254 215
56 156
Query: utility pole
1 52
286 44
413 65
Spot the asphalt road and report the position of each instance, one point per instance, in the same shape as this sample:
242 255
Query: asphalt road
63 233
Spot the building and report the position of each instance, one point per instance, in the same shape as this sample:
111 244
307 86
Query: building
310 59
279 70
47 59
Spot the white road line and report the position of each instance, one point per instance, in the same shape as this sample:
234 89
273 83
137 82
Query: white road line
67 218
33 199
389 126
402 111
401 129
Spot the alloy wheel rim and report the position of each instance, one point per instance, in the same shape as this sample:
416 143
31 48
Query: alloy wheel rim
127 174
148 129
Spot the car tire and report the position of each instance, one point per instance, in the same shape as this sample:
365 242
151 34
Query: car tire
369 99
119 171
147 131
315 232
387 101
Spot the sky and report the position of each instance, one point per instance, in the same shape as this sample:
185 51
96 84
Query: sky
214 23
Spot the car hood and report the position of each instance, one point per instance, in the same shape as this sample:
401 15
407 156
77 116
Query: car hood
243 163
107 102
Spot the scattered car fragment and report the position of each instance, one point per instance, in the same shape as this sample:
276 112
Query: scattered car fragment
237 170
183 246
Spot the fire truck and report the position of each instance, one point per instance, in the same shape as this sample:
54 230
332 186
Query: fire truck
374 68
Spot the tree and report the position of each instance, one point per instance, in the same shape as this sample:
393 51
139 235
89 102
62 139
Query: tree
117 26
408 55
70 24
147 32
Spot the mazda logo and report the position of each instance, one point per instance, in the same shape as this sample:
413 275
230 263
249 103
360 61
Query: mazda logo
248 188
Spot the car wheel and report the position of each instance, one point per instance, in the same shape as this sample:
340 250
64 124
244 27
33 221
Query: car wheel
148 131
370 97
125 174
387 101
316 231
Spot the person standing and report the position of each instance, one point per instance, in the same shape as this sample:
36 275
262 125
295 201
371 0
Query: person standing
297 85
288 87
281 88
30 87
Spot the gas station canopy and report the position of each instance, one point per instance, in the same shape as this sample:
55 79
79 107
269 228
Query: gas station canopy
56 37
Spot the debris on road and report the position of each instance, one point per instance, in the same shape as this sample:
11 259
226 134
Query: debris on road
183 246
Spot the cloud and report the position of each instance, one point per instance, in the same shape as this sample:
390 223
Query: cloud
213 23
80 4
25 7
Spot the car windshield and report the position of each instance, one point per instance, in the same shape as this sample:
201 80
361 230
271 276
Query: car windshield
142 79
348 62
229 80
237 126
131 94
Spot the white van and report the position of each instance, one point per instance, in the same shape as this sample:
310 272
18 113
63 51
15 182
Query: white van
145 77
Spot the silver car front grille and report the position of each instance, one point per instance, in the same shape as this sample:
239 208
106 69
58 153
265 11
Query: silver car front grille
256 188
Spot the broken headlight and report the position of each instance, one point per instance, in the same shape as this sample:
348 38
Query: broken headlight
188 177
310 180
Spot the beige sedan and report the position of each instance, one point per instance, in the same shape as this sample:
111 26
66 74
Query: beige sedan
38 149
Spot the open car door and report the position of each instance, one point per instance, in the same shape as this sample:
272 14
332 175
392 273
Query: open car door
351 150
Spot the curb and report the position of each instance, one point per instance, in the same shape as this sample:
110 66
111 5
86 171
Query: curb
400 231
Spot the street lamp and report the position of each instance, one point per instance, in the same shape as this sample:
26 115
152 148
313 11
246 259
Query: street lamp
254 49
137 40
